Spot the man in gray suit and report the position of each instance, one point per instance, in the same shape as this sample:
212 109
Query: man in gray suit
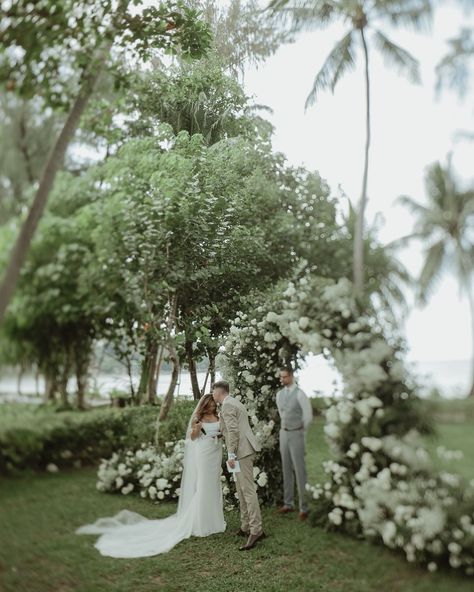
242 446
296 414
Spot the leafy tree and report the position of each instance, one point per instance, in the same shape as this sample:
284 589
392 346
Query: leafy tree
446 226
241 33
25 139
199 98
60 50
49 322
186 231
361 17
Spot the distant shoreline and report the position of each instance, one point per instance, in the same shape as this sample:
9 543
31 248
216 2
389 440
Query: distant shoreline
317 378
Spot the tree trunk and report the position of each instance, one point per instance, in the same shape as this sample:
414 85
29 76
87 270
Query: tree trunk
173 356
144 375
151 384
83 358
55 160
158 369
192 370
37 376
358 255
51 384
21 371
66 370
212 366
470 297
130 380
169 397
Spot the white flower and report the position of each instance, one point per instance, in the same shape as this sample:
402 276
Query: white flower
335 516
52 468
262 479
303 323
332 430
388 532
118 482
373 444
432 566
454 548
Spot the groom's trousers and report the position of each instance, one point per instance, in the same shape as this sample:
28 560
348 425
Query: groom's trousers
250 516
292 450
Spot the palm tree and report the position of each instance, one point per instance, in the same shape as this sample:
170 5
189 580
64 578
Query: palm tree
386 275
446 225
360 16
456 68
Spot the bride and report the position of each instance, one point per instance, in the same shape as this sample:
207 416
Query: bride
200 507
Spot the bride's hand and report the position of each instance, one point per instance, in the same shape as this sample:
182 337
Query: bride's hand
196 431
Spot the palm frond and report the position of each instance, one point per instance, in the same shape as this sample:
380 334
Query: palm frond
398 57
432 269
454 70
339 61
304 15
414 207
467 209
406 13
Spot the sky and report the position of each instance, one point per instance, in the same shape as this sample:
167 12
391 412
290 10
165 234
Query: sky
411 128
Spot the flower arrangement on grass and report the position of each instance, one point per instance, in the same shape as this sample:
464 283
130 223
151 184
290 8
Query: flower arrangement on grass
379 484
156 475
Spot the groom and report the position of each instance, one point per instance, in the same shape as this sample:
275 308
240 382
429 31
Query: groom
242 446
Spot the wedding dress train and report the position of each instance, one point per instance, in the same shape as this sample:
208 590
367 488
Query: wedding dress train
200 508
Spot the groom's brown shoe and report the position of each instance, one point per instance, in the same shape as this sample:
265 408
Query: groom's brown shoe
252 541
285 510
241 533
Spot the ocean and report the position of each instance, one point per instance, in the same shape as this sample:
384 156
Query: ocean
317 378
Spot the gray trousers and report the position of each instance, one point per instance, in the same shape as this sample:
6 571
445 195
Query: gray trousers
292 450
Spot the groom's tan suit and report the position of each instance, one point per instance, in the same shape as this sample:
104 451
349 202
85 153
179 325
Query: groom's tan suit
242 445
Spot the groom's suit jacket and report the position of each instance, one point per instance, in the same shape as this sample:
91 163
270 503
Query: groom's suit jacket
235 427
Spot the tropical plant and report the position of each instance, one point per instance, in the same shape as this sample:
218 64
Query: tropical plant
62 50
386 276
241 33
445 224
456 69
362 16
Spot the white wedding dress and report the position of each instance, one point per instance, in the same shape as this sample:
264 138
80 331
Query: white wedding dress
200 508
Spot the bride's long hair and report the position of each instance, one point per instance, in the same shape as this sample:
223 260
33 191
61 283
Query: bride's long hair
206 405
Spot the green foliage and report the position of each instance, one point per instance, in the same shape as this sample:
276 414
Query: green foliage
199 98
32 438
293 557
49 46
26 137
241 32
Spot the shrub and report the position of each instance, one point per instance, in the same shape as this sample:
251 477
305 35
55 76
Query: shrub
33 438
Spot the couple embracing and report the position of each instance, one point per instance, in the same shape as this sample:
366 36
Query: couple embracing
200 507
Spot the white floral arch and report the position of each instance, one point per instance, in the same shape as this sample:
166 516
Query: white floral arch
379 484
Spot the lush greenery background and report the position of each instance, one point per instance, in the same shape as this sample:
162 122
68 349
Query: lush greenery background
38 515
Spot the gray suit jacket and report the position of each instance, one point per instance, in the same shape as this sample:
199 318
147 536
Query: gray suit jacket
235 427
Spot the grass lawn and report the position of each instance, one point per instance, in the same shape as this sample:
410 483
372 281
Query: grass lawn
39 551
